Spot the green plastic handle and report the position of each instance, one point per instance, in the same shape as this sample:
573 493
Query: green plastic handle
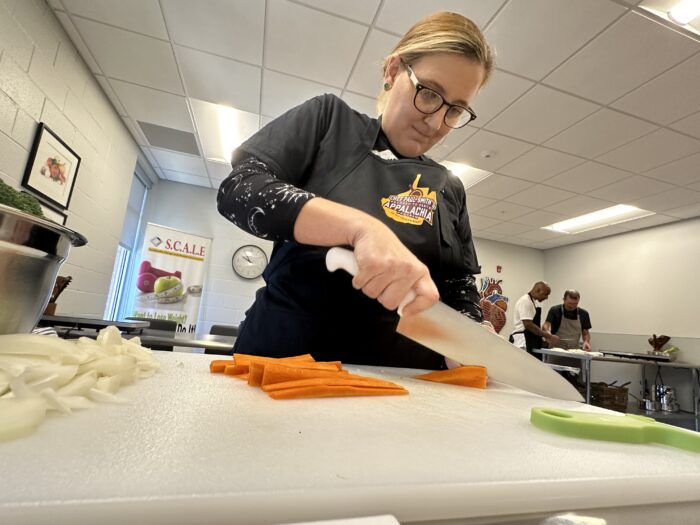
626 428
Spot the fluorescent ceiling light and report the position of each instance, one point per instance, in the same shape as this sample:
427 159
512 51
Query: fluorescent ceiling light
467 174
599 219
221 128
684 12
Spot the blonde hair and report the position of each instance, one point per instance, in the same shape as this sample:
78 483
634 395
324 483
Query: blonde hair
442 32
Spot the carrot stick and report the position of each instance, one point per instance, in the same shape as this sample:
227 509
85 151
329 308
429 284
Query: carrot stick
217 365
474 376
338 380
335 391
279 373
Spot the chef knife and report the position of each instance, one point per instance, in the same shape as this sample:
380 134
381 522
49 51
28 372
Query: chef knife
449 333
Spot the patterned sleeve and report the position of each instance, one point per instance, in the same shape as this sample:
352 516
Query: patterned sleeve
462 295
255 200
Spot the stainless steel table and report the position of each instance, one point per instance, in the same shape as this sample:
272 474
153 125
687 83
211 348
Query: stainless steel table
586 369
81 323
212 344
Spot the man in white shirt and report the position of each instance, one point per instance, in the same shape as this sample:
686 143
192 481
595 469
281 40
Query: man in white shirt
527 333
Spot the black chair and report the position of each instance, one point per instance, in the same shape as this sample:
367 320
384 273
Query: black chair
162 325
223 329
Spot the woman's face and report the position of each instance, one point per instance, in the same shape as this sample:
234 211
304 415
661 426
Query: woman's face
455 77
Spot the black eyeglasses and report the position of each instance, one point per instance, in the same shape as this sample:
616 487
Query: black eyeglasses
428 101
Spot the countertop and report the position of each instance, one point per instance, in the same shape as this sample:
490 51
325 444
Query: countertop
194 447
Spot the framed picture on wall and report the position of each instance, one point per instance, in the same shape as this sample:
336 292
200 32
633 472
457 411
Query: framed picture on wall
53 214
52 168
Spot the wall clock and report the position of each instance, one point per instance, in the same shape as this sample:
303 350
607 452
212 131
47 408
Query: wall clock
249 261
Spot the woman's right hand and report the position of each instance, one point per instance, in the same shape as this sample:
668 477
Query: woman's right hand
387 270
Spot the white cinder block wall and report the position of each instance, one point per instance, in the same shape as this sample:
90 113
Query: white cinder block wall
43 79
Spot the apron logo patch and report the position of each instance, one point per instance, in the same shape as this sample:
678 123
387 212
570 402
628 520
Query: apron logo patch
413 206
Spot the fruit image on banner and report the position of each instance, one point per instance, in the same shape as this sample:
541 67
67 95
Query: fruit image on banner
493 303
170 276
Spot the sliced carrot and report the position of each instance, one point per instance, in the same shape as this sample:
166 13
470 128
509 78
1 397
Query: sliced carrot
279 373
217 366
474 376
338 380
242 362
335 391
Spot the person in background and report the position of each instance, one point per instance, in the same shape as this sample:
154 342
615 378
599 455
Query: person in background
325 175
527 333
570 323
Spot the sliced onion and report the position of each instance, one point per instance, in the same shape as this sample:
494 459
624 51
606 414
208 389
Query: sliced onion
19 417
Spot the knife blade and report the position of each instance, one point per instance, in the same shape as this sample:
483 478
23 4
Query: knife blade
449 333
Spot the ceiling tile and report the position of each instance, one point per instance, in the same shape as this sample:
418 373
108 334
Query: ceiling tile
359 10
630 52
220 80
587 177
501 90
667 200
578 205
669 97
539 164
681 172
505 211
689 125
509 228
366 76
524 44
450 141
169 160
282 92
476 202
481 223
498 186
77 40
135 131
156 107
539 196
685 212
491 236
651 150
141 16
361 103
399 16
630 189
111 95
488 151
230 28
218 171
128 56
187 178
599 133
540 114
695 186
540 218
313 32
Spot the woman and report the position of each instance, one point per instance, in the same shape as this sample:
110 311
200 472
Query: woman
324 175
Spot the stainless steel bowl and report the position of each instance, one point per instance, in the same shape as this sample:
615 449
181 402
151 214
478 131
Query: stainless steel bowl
31 253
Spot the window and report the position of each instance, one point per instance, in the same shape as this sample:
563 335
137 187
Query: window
116 300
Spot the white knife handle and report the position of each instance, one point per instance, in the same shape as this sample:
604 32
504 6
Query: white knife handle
344 259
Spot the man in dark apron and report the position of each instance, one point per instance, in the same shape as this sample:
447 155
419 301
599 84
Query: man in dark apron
527 333
570 323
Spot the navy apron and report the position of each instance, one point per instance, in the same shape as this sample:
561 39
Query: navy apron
306 309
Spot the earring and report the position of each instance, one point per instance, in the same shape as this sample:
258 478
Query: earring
387 86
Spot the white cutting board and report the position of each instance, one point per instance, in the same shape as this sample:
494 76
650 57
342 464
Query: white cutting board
193 447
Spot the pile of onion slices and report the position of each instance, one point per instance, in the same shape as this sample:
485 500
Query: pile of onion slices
42 373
